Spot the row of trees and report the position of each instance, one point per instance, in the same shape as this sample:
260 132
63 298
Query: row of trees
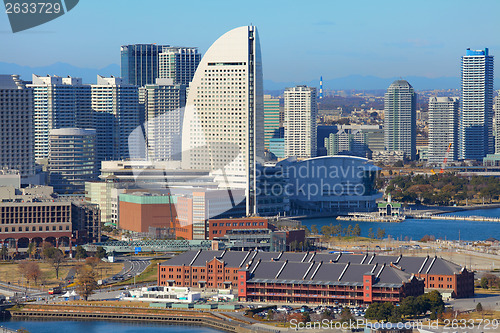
490 281
409 307
86 281
443 189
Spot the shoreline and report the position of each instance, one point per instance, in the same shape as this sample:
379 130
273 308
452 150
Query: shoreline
144 315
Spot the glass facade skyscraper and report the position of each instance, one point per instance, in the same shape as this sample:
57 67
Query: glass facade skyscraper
476 105
271 119
139 63
178 64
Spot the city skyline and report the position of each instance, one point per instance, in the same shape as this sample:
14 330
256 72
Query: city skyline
327 37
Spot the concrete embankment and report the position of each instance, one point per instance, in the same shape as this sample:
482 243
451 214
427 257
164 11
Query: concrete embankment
197 318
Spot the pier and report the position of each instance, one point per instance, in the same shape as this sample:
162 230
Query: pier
458 218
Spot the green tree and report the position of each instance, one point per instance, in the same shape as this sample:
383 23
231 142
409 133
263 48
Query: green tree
81 253
31 249
314 229
409 307
356 231
380 311
4 252
436 303
101 252
484 283
54 257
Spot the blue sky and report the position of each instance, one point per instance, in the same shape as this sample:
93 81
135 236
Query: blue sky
300 40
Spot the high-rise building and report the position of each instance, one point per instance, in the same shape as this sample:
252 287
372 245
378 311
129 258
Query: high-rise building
16 126
178 63
223 129
71 159
139 63
497 124
476 112
271 119
443 129
347 141
58 103
400 118
164 103
115 105
300 122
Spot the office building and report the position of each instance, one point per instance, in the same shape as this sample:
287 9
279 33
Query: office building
223 129
300 122
476 105
443 129
139 63
277 147
71 159
400 111
271 119
164 109
115 105
58 103
497 125
178 64
16 126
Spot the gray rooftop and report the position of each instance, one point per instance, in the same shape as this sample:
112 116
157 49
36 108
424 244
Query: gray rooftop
332 264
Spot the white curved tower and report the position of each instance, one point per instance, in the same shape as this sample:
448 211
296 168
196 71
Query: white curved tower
223 129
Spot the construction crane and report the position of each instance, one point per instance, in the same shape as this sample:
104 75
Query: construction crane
445 160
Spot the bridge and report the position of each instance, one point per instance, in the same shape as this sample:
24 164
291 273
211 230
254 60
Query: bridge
168 245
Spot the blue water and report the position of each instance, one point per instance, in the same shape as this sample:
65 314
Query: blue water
51 326
415 229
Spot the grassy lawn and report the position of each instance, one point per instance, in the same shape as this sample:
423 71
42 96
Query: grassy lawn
9 272
150 274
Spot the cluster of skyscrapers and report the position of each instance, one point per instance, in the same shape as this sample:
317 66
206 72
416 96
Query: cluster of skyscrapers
112 108
459 128
210 122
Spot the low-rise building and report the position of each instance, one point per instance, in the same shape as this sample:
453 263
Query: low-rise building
310 277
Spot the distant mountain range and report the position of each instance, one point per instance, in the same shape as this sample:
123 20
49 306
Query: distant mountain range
88 75
357 82
360 82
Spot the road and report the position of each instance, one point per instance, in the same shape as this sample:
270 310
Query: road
131 267
488 301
